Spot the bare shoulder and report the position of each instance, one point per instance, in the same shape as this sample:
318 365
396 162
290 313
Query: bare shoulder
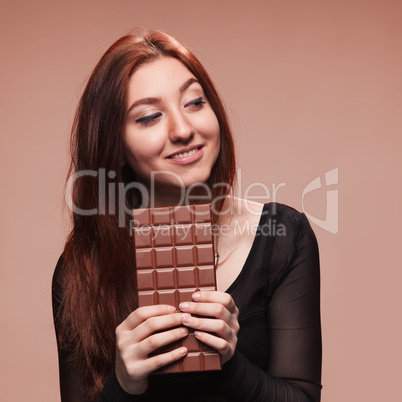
245 210
237 221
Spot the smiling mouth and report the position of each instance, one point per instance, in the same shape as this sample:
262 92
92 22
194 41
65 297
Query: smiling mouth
185 154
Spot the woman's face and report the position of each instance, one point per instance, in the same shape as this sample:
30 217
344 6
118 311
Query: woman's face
171 127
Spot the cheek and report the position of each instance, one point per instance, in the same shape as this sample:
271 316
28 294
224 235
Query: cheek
216 133
142 148
210 126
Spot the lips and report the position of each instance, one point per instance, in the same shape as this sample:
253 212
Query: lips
187 156
185 152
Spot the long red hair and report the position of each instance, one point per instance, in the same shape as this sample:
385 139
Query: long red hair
99 264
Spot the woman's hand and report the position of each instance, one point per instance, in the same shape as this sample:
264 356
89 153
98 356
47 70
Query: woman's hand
224 324
137 336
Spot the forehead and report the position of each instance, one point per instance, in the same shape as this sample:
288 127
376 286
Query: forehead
158 77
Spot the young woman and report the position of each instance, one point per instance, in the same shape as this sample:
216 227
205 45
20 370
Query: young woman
150 129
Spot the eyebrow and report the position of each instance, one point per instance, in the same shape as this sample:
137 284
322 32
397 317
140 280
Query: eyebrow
187 84
153 100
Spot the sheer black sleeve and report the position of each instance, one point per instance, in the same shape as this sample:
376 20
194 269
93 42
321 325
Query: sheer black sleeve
70 389
293 370
70 384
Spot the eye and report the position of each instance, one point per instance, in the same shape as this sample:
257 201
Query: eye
196 103
146 120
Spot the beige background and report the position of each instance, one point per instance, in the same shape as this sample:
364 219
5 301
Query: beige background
311 86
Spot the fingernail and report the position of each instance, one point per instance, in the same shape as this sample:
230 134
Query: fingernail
183 351
196 296
197 334
183 306
171 309
184 330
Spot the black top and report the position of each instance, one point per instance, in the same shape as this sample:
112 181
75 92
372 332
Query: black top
278 355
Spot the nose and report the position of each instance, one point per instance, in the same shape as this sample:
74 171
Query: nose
180 128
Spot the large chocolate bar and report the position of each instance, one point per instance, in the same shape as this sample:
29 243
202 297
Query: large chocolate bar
175 257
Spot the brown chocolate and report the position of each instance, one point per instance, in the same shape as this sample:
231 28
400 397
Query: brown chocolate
175 257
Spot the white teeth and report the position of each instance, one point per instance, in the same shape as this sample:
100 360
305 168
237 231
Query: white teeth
185 154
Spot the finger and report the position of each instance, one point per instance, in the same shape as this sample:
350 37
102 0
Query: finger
142 313
155 324
212 296
219 327
215 342
158 361
142 368
160 339
216 310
